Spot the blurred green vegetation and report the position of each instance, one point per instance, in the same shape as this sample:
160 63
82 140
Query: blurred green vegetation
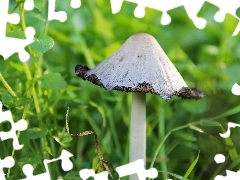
207 59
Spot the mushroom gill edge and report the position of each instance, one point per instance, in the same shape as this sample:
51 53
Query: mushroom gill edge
184 92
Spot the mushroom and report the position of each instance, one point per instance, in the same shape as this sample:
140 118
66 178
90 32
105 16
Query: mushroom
139 66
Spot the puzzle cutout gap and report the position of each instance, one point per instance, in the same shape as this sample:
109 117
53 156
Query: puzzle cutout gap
236 89
7 162
219 158
66 165
230 175
192 9
75 4
20 125
52 14
136 167
227 133
8 45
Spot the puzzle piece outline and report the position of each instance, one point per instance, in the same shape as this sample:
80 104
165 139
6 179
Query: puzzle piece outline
236 88
7 162
136 167
219 17
192 9
52 14
220 158
230 175
66 165
8 45
20 125
227 133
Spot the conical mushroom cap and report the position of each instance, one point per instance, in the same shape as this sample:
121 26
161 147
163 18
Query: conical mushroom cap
141 65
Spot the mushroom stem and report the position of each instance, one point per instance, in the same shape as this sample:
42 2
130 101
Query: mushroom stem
138 127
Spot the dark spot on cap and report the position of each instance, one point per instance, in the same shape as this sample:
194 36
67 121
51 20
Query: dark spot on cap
187 93
121 59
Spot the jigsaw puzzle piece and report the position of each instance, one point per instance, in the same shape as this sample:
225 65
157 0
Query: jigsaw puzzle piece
137 167
219 158
28 5
230 23
227 133
139 11
20 125
226 11
5 17
66 166
207 12
1 106
7 162
192 9
66 162
178 16
161 5
75 3
236 89
230 175
28 171
116 5
53 15
87 173
237 30
166 6
225 7
9 46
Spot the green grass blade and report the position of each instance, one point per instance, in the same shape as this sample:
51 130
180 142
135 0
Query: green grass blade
100 110
230 147
172 174
191 168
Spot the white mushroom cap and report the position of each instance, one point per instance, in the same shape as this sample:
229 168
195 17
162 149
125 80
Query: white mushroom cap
140 65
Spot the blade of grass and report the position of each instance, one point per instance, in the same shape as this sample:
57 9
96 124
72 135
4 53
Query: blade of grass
95 127
232 111
164 139
172 174
191 168
7 86
231 148
100 110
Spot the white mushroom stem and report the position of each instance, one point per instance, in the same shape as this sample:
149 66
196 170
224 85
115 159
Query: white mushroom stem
138 128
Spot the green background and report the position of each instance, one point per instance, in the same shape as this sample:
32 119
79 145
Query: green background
44 87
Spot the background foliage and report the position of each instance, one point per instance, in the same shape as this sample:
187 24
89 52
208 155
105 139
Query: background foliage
46 85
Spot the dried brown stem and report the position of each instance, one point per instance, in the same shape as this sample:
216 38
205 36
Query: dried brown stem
105 163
